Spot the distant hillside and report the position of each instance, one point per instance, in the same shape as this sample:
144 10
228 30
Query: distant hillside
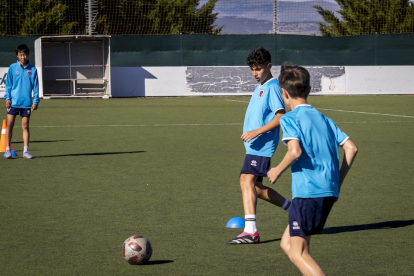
240 25
243 25
298 11
294 17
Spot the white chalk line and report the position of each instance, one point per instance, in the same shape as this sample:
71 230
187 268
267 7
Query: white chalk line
370 113
349 111
169 125
237 124
153 125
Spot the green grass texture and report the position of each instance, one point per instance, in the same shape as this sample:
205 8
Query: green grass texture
168 169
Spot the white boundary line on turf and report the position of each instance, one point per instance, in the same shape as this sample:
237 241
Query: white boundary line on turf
154 125
370 113
167 125
349 111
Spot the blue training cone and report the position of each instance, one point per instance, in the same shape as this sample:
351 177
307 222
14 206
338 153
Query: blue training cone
235 222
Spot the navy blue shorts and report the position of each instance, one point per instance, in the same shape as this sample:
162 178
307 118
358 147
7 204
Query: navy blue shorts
24 112
307 216
256 165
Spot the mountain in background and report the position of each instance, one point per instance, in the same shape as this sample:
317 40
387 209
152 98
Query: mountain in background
294 17
298 11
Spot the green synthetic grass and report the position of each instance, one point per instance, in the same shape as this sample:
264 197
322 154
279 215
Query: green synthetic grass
167 168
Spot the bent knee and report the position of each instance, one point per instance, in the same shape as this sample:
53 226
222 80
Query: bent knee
285 247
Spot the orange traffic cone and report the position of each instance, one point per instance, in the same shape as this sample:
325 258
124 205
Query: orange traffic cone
3 140
3 137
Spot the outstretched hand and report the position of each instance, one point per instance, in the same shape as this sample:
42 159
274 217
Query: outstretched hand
249 135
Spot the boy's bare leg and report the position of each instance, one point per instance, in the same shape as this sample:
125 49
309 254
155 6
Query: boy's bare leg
285 242
250 234
247 186
26 130
9 129
299 256
269 195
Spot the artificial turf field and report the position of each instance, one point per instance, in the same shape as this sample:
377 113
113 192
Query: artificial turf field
167 168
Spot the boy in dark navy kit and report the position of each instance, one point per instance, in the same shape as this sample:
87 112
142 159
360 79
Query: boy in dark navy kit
21 81
261 138
313 141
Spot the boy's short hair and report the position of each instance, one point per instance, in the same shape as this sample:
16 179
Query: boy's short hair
22 48
258 56
295 80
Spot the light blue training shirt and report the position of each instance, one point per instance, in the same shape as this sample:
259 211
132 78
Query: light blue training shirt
20 83
316 172
264 103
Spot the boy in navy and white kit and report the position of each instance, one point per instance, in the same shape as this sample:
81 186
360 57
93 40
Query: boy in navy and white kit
21 81
313 141
261 137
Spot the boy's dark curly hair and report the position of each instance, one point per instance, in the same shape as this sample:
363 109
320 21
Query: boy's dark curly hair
258 56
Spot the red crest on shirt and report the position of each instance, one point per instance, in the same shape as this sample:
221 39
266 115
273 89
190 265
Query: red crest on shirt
261 93
29 72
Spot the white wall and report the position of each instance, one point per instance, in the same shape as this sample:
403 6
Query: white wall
380 80
147 81
3 74
173 81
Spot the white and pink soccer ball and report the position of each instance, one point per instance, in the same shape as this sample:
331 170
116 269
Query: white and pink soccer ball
137 250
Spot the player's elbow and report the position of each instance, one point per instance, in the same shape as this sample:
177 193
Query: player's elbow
350 147
296 153
354 149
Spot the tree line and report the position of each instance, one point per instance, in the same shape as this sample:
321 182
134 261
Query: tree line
361 17
140 17
115 17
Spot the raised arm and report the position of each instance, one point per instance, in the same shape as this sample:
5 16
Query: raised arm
350 152
249 135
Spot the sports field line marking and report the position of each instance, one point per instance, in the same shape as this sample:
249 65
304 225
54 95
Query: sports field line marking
349 111
154 125
370 113
236 101
167 125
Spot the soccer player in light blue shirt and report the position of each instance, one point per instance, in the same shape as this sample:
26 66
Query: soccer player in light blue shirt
21 81
261 137
313 141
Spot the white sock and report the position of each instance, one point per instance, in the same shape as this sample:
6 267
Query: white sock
7 148
26 148
286 205
250 224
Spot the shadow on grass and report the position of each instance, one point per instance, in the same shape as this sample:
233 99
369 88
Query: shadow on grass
158 262
361 227
372 226
90 154
50 141
274 240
